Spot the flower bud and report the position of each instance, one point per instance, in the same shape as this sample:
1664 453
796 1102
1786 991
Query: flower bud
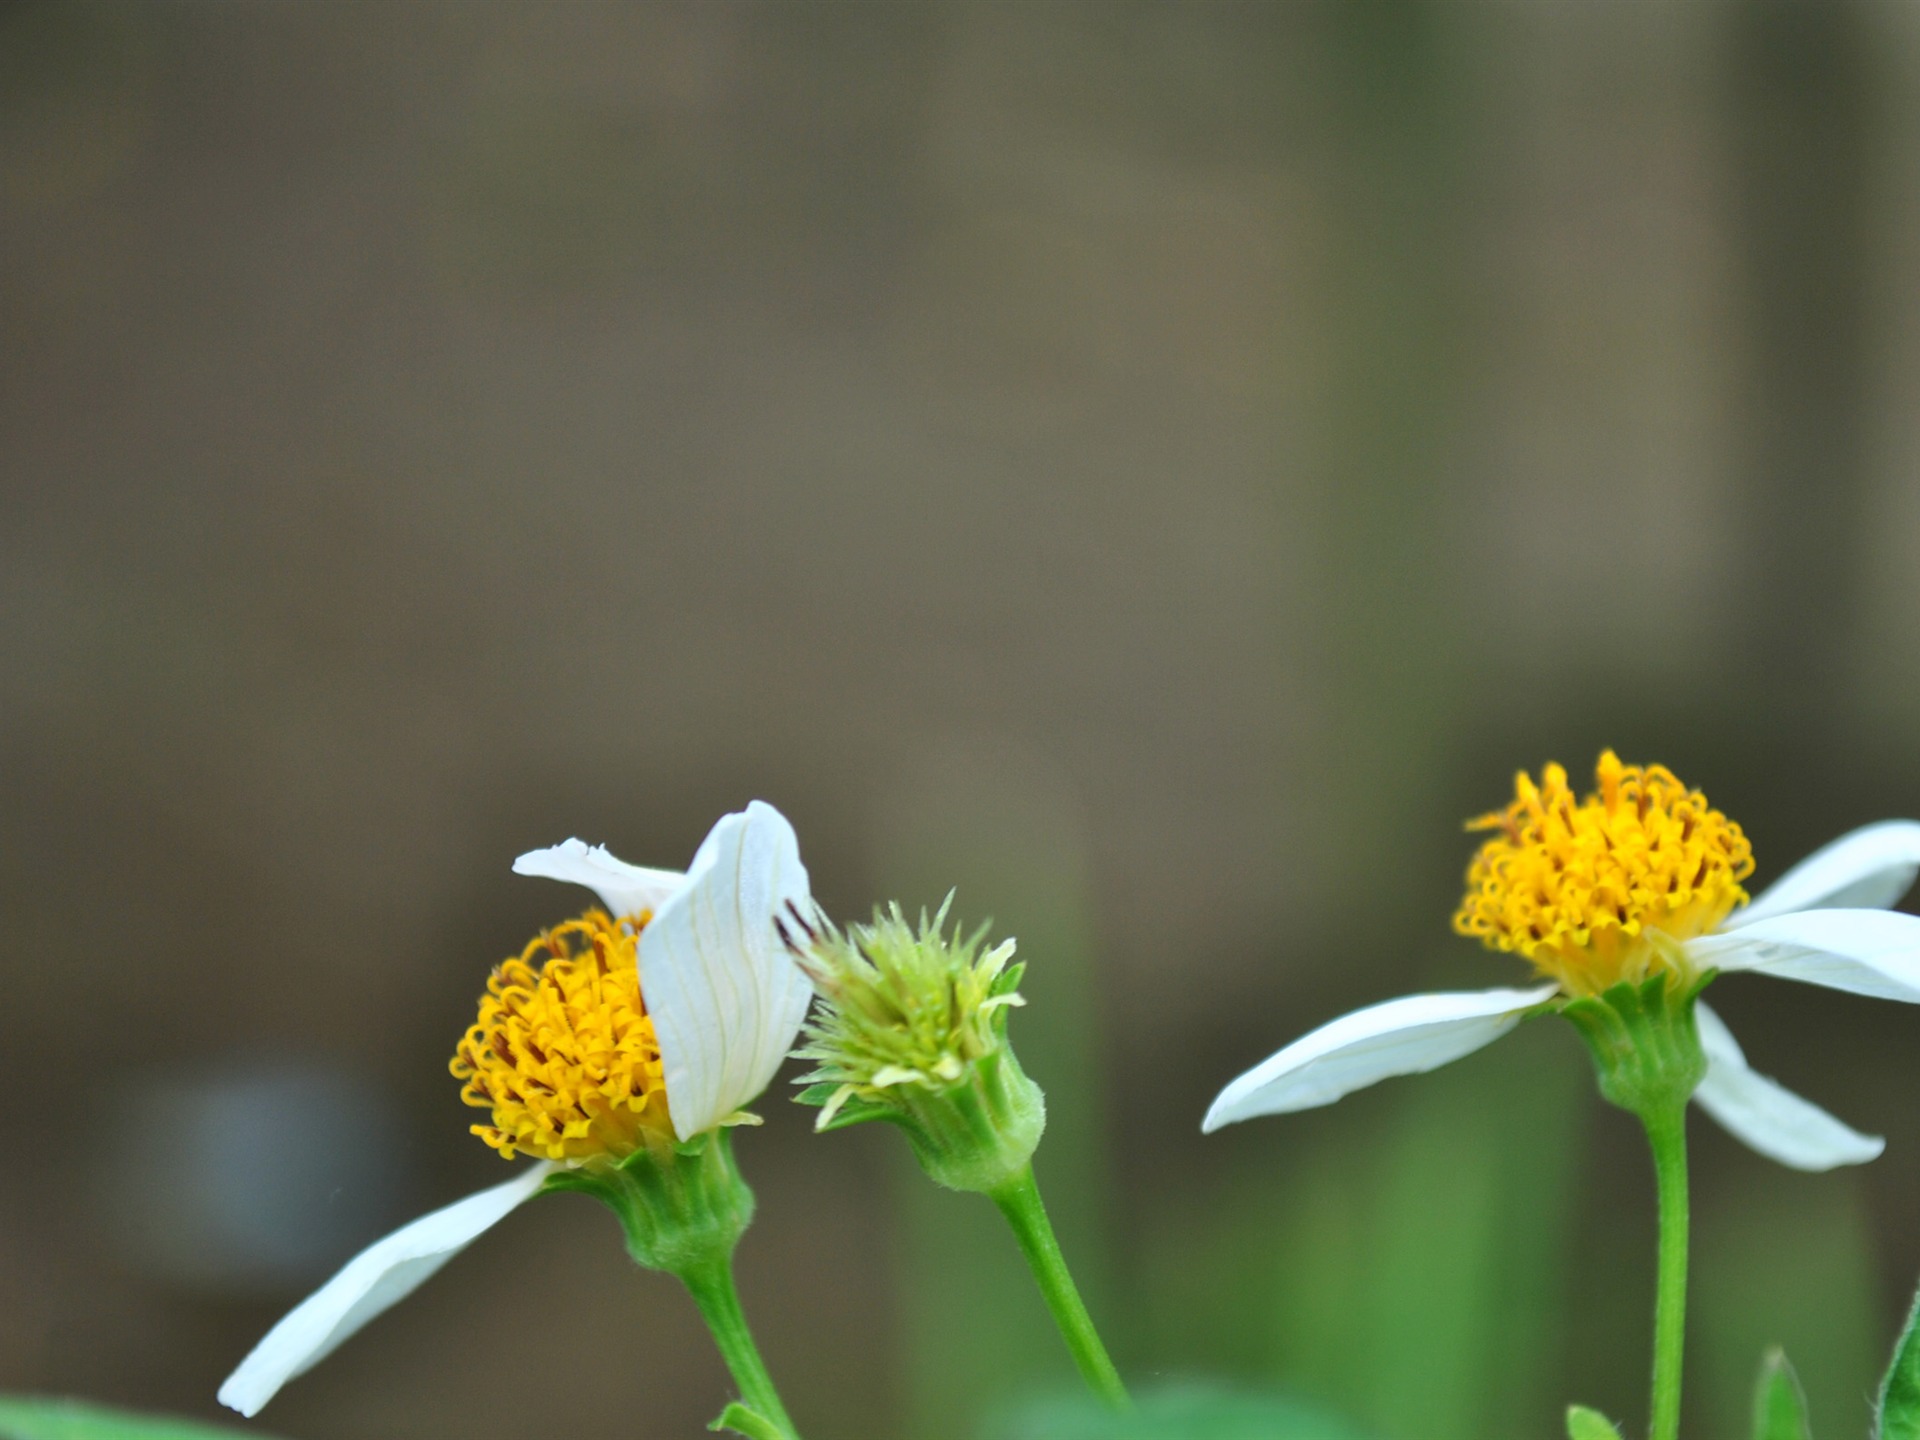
912 1029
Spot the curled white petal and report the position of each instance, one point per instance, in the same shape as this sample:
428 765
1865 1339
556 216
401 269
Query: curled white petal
1866 869
624 889
1399 1037
725 996
380 1276
1867 952
1768 1117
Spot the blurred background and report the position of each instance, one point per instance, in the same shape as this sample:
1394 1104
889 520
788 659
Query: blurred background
1156 466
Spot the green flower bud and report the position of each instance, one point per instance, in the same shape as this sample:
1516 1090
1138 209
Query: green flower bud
912 1029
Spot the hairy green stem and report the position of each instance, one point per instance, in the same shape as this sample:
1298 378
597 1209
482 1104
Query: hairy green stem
711 1285
1667 1133
1019 1200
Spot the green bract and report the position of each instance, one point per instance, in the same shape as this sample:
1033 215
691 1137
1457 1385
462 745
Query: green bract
682 1209
912 1029
1645 1042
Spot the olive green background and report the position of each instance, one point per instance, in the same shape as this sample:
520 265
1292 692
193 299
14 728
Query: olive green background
1155 466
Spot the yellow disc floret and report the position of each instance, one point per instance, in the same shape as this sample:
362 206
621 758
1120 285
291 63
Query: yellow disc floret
564 1053
1598 890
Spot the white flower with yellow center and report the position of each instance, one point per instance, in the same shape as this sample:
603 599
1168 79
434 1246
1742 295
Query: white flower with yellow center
639 1028
1640 879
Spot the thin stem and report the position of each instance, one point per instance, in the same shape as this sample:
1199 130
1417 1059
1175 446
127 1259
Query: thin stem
1667 1132
711 1285
1019 1200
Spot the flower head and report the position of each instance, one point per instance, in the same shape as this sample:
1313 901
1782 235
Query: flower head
1637 882
723 995
1589 890
564 1053
903 1007
611 1048
912 1028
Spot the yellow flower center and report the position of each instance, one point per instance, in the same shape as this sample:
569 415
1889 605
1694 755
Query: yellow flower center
564 1051
1601 890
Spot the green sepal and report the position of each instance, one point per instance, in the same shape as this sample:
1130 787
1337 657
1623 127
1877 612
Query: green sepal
685 1149
743 1420
1644 1041
1900 1391
853 1110
1779 1404
681 1206
34 1418
1585 1424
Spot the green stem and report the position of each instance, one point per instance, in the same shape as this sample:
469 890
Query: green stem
1019 1200
1667 1132
711 1285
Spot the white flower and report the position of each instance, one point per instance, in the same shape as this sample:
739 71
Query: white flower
725 1000
1823 922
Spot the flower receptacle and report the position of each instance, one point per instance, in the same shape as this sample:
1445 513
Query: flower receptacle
979 1133
683 1208
1645 1041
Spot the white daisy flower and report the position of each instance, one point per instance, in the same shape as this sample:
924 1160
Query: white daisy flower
1641 878
654 1021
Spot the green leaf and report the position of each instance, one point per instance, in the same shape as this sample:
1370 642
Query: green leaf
1900 1391
1180 1412
1585 1424
44 1419
750 1423
1779 1404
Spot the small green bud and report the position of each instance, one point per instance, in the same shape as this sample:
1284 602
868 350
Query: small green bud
1585 1424
1779 1404
912 1029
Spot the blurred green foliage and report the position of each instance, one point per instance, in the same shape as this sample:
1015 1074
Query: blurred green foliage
1409 1267
71 1420
1193 1412
1783 1260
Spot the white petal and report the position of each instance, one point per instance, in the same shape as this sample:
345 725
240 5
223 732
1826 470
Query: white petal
1766 1115
382 1275
1867 952
725 996
1868 869
1400 1037
624 889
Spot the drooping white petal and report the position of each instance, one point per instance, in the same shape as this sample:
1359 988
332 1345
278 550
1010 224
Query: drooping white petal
1867 952
1399 1037
383 1274
725 996
1866 869
624 889
1768 1117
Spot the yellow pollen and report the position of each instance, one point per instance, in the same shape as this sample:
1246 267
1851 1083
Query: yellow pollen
1598 891
564 1052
